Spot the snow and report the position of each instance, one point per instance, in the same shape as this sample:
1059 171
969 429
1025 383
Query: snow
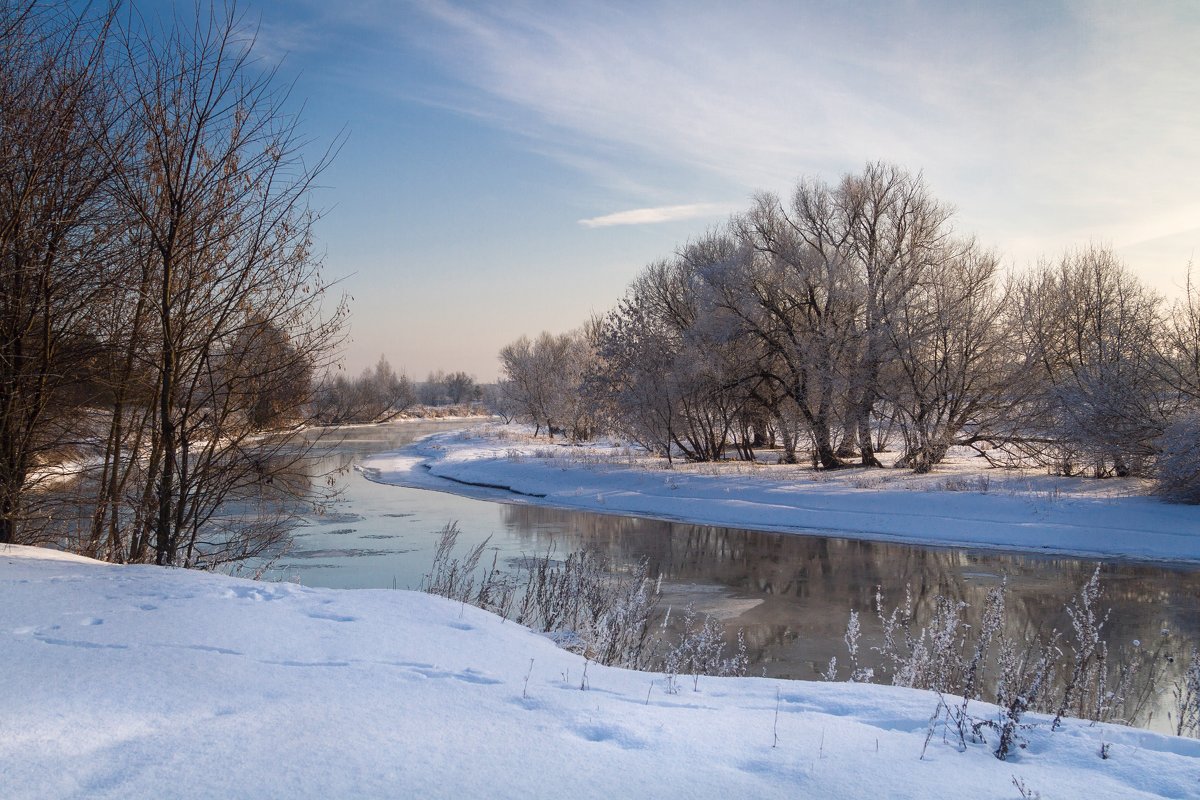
962 505
139 681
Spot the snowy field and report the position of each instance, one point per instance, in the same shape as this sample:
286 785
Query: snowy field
143 682
962 503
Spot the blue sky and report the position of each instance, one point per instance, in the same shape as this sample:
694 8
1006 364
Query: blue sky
511 166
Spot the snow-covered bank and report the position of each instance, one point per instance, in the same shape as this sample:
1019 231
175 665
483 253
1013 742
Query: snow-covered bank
130 682
966 506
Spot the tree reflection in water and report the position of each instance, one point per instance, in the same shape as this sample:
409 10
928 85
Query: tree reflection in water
792 594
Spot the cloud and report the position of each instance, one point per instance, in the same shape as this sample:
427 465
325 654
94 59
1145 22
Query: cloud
1038 121
1058 116
754 95
652 216
273 41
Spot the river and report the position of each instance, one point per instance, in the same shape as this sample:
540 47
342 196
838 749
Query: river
790 594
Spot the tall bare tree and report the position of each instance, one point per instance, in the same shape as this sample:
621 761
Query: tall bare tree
949 373
230 297
1090 330
56 226
895 232
797 300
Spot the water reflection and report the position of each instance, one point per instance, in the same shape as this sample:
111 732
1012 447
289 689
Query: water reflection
790 594
801 588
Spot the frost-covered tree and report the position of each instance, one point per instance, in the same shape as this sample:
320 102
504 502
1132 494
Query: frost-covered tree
672 365
1178 468
640 396
544 382
813 285
851 312
377 395
886 228
948 375
461 388
1181 346
440 389
1089 330
798 303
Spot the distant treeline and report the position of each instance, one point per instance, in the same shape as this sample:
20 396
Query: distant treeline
379 394
852 317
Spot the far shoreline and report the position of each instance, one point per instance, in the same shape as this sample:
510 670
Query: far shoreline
1045 516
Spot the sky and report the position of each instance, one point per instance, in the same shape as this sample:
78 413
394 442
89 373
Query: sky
508 168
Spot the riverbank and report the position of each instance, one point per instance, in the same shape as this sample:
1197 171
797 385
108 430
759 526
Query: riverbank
139 681
962 504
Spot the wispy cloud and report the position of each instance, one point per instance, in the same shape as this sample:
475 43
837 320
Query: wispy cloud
757 95
1033 119
652 216
273 41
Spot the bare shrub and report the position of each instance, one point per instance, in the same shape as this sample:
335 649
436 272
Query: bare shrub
1072 674
1024 790
1087 692
701 651
608 615
853 633
1023 686
931 658
450 576
586 607
1187 699
958 483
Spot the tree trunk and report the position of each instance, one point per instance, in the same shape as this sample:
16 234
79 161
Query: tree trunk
866 445
163 550
823 441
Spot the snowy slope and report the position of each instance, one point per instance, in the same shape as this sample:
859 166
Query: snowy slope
1024 512
129 682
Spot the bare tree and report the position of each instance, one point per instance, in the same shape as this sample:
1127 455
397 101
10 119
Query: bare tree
432 391
671 363
1181 346
1090 329
896 231
853 311
56 228
377 395
1178 468
544 382
638 347
950 374
216 196
787 314
797 301
461 388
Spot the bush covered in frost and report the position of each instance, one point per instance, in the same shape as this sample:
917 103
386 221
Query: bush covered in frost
1179 461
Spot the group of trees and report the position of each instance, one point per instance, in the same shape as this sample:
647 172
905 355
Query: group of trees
455 389
377 395
380 395
852 317
543 383
161 305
